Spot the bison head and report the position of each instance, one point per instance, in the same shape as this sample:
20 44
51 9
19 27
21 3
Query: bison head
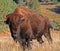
14 21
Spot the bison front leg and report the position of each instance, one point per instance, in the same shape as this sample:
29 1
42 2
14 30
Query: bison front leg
29 44
23 44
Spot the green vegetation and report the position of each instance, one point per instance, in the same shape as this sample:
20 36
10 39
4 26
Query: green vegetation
55 1
32 4
35 5
6 6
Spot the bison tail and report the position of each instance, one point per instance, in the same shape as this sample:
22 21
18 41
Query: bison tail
51 25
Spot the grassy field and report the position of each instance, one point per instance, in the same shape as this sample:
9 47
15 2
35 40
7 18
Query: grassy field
6 41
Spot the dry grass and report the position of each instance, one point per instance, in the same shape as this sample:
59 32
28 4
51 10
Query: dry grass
7 43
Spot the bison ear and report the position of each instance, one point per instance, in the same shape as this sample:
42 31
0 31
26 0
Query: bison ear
7 21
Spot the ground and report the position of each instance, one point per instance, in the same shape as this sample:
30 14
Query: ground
7 43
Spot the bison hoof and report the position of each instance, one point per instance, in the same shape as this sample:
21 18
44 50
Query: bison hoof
41 42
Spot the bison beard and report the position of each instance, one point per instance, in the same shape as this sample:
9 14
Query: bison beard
26 25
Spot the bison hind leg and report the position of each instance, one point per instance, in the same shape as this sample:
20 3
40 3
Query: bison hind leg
48 36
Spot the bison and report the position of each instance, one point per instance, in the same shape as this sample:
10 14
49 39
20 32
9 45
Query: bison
26 25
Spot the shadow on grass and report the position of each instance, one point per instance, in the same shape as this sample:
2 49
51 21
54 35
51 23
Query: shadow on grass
56 9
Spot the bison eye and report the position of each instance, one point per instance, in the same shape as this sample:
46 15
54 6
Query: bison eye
22 19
